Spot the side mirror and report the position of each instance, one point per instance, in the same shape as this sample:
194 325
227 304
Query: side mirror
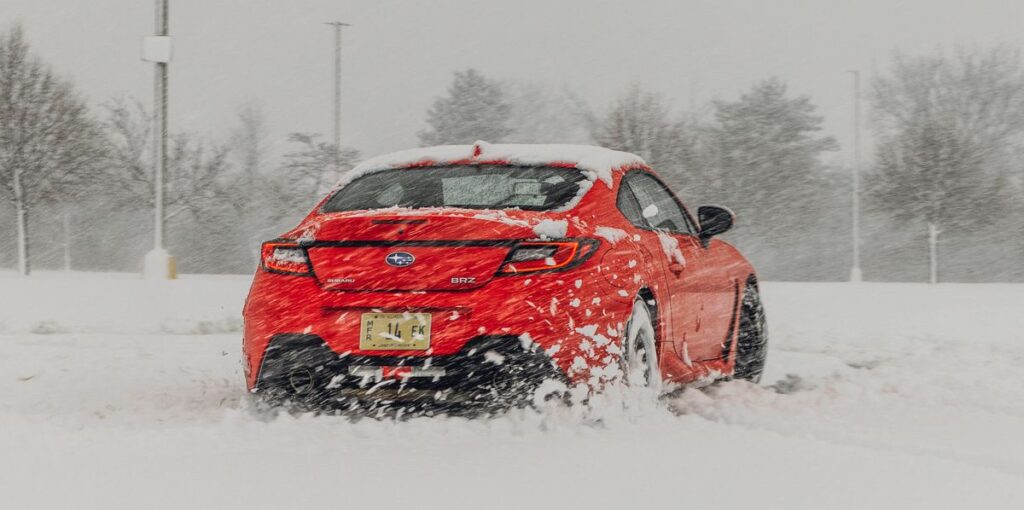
714 220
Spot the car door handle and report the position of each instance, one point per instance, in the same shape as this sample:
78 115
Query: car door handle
676 268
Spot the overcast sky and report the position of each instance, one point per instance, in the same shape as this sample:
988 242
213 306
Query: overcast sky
399 55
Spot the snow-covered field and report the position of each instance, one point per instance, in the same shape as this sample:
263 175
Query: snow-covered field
121 393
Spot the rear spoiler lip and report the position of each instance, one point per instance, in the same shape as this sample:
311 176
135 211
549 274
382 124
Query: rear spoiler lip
589 244
379 243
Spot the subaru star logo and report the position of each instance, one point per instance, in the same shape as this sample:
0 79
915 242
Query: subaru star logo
399 259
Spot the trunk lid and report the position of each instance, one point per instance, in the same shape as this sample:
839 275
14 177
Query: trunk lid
425 251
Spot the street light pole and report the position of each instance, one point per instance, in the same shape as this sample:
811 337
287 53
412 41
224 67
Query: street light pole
160 145
855 272
158 264
338 25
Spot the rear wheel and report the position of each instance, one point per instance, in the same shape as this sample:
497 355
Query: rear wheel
641 357
752 341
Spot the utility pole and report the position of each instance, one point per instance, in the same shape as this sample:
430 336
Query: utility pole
855 272
338 25
158 264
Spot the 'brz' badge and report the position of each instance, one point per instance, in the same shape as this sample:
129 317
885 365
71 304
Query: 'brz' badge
399 259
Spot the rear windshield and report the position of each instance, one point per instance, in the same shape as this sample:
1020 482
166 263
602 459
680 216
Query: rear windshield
536 188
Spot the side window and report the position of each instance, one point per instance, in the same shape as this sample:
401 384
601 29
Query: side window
628 206
657 206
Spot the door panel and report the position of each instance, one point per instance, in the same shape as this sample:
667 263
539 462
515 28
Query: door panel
658 211
687 296
675 297
715 312
720 290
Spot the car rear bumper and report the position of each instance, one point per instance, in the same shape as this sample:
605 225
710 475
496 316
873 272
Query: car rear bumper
572 318
490 370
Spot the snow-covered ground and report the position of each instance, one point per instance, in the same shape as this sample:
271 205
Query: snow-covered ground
121 393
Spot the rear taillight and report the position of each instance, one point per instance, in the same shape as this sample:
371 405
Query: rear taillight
286 258
534 256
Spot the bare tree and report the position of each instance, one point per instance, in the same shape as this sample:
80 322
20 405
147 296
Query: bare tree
315 166
946 127
47 139
200 191
129 144
194 166
249 189
639 122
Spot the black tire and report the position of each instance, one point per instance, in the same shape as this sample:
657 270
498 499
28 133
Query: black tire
752 341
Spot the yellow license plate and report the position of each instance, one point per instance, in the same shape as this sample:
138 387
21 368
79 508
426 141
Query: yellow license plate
394 331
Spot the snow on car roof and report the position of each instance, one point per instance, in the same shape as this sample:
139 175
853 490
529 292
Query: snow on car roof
597 160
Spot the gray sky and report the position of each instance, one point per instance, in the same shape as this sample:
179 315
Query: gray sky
400 54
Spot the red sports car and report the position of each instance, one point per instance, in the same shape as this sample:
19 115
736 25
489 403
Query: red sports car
490 273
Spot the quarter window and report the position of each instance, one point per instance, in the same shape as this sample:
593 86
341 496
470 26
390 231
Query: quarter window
658 209
628 206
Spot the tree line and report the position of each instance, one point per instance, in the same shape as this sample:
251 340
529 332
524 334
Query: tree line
76 182
947 152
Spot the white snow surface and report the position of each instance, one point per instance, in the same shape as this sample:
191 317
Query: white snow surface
122 393
598 160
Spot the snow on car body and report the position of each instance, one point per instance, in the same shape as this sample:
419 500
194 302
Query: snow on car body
477 272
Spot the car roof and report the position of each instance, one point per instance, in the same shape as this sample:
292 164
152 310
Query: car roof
599 161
